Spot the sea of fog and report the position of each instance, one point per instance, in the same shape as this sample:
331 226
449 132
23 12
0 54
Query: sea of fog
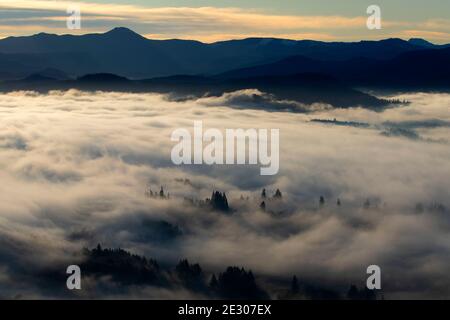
75 166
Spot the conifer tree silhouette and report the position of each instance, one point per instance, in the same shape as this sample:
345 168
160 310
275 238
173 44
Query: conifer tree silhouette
295 289
262 206
278 194
322 200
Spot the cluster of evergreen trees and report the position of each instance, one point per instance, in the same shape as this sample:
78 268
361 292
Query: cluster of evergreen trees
122 266
237 283
153 194
128 269
219 201
277 196
190 275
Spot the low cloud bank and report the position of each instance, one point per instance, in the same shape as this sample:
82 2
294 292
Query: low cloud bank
75 168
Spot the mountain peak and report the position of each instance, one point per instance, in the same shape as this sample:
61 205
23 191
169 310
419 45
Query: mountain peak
420 42
102 77
122 31
392 41
44 35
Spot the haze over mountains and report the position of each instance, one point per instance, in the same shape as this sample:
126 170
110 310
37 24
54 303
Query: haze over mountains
422 68
280 93
126 53
304 72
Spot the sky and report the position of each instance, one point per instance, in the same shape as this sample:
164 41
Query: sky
210 21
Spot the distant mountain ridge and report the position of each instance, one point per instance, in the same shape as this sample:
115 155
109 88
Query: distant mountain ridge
424 68
277 93
123 52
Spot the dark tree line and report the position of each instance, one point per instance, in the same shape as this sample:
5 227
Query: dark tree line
128 269
122 266
354 293
237 283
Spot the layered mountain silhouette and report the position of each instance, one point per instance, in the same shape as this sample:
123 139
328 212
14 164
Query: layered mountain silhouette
126 53
426 68
286 70
282 93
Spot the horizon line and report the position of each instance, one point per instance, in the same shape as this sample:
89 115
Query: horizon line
147 36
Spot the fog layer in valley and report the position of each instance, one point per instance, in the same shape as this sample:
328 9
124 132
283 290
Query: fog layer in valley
75 168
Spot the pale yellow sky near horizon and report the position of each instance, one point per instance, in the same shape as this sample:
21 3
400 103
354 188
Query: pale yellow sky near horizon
213 23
